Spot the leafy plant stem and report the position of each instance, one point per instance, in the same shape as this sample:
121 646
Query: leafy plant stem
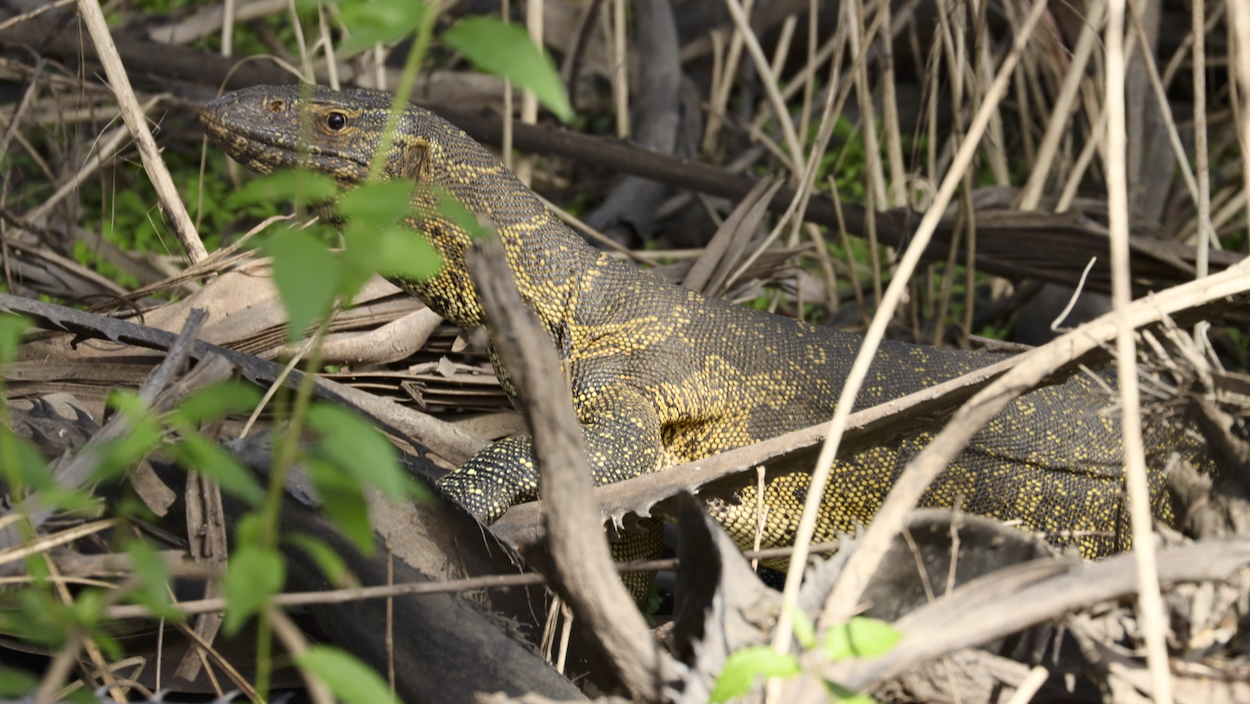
290 440
404 90
277 484
264 655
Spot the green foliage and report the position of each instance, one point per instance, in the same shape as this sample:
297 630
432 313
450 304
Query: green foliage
190 448
842 695
306 275
355 447
327 560
42 618
125 214
344 500
215 463
348 679
851 176
255 574
377 21
143 436
298 185
804 631
860 637
350 455
152 591
12 327
376 239
744 666
16 683
217 401
507 50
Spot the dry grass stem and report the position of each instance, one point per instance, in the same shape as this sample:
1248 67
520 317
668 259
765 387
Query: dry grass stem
769 82
1151 614
864 99
1060 115
620 74
820 475
136 122
727 73
1205 232
524 164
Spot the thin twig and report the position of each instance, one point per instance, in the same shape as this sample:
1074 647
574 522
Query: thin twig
296 645
620 72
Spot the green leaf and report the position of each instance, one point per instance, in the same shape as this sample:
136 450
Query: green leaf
379 204
803 630
28 468
376 239
299 185
348 678
357 448
16 683
153 576
206 457
12 327
507 50
743 666
361 256
218 401
144 436
254 575
342 498
87 607
407 254
247 530
842 695
307 277
861 637
325 557
377 21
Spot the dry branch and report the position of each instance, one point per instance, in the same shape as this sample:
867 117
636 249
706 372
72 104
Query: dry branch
578 546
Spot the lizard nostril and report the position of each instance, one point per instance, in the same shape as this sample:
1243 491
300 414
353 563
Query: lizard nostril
277 106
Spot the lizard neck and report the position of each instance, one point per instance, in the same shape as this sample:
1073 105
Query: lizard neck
547 259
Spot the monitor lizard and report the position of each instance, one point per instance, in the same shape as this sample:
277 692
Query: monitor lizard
662 375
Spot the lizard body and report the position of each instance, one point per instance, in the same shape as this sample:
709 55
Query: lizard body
661 375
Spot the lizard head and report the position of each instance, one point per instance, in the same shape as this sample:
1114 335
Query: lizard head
271 128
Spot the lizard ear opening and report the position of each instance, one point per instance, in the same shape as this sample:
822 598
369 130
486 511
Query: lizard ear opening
414 161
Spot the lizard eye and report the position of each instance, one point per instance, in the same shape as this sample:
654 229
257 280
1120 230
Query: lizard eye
336 121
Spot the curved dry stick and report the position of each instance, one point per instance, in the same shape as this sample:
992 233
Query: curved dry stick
579 551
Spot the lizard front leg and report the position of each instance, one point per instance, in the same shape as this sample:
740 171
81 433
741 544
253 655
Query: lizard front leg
621 433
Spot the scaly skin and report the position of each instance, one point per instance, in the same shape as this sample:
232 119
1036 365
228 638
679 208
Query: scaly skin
662 375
